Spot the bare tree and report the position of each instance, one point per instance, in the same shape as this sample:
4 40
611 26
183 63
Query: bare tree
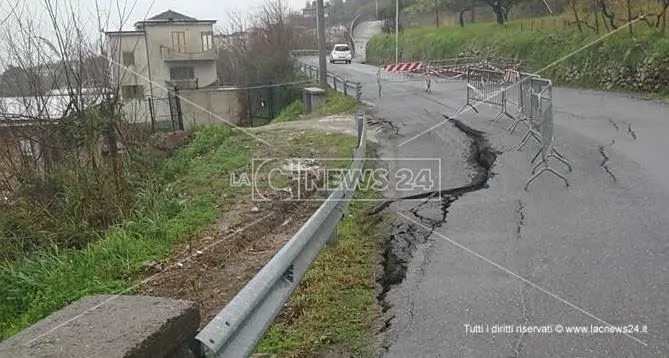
59 122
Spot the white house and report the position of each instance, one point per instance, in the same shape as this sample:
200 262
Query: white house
165 51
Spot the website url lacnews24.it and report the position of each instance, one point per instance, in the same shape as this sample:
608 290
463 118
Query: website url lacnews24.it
595 329
555 328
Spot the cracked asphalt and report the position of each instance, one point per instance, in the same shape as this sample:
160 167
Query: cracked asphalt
593 253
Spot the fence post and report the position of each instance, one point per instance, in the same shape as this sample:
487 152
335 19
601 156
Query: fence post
180 117
345 87
334 83
152 114
249 105
270 95
358 91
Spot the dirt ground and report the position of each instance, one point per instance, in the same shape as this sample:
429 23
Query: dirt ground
212 269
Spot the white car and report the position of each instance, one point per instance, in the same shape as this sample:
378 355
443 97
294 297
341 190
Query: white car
341 52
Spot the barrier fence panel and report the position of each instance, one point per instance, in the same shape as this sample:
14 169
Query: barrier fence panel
400 72
534 88
520 97
545 122
451 69
488 87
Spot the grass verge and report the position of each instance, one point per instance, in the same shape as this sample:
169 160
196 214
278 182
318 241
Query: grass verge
620 62
335 103
185 195
335 304
181 199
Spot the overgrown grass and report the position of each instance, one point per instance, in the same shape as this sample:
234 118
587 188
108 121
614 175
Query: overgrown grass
182 196
619 62
335 103
291 113
179 201
335 304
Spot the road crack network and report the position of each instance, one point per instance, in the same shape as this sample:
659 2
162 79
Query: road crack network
606 159
521 219
405 237
613 123
631 131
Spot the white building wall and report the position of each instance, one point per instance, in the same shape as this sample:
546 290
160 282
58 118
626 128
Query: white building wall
136 74
160 35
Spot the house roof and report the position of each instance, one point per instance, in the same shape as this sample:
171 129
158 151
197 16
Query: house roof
171 16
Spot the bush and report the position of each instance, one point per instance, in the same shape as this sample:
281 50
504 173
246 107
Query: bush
291 113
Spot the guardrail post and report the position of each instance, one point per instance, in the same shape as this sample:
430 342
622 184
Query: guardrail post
358 91
333 237
345 87
334 83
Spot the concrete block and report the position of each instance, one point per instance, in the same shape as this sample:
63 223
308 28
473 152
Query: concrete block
110 327
313 98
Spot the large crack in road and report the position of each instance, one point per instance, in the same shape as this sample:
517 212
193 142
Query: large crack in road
406 237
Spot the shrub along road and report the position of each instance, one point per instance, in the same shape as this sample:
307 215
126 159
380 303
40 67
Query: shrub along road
592 253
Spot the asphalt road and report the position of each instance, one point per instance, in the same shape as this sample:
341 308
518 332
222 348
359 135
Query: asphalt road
595 253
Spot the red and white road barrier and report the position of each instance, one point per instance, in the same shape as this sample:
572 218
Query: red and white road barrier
404 67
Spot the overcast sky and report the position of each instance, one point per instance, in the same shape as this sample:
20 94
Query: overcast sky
135 10
22 20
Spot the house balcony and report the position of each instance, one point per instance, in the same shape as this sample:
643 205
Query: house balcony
172 55
191 83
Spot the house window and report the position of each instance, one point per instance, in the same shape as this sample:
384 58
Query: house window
182 73
128 58
207 40
132 91
179 41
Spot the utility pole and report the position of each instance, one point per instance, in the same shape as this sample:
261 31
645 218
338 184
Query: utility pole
436 12
320 21
397 30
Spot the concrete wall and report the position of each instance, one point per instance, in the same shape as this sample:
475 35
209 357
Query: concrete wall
201 106
210 106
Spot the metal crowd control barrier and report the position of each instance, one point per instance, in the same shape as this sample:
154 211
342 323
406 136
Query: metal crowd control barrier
541 127
240 325
489 87
532 98
521 98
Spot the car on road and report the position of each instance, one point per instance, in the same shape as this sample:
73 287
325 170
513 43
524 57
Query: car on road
341 52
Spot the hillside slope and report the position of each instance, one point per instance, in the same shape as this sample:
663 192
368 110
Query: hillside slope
617 62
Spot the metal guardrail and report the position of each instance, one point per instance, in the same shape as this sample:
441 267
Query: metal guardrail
338 83
243 322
